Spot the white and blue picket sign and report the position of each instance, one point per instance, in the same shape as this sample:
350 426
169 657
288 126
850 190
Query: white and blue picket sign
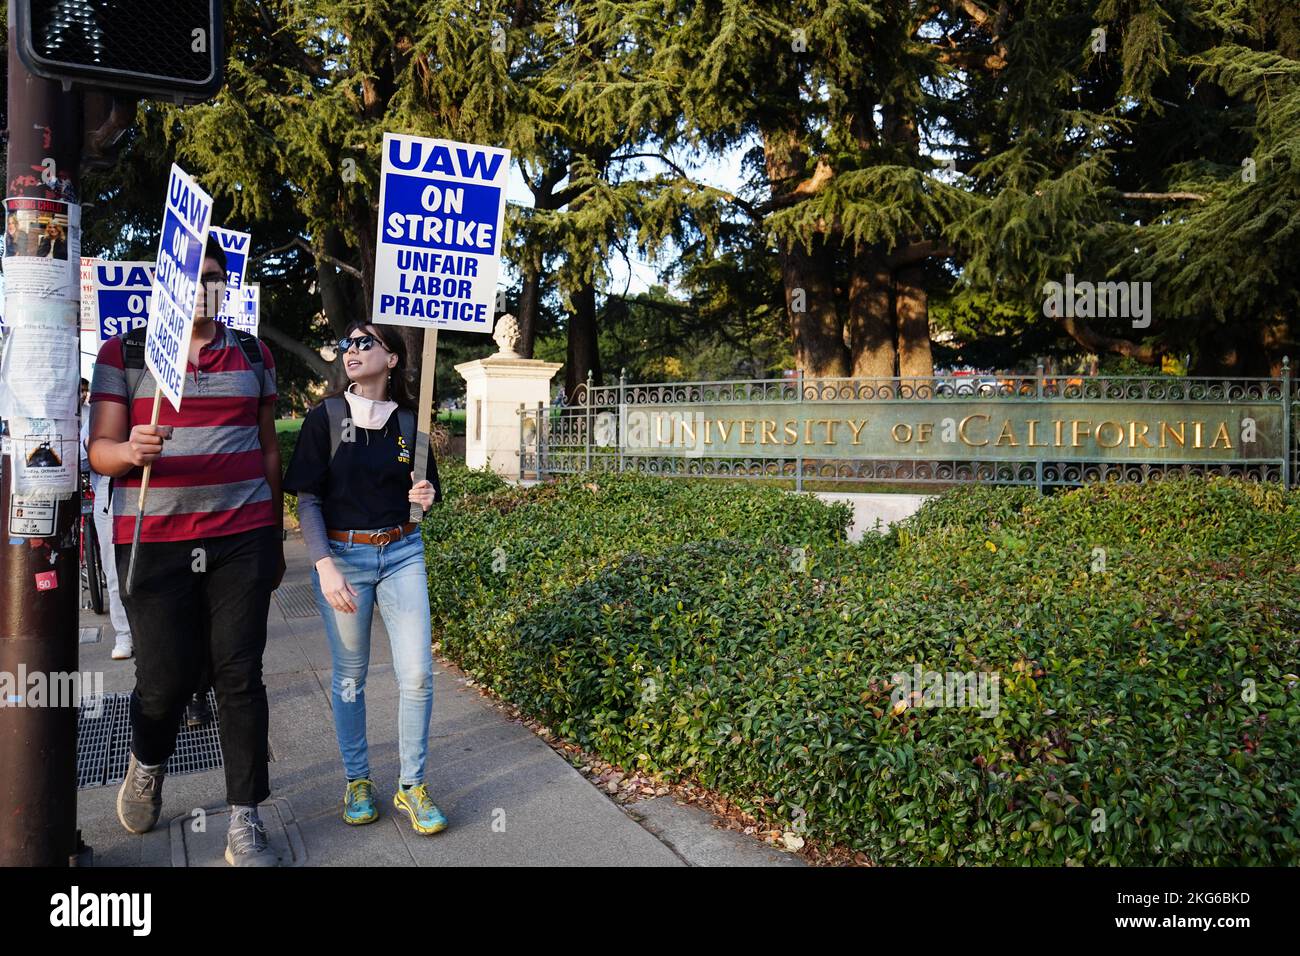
120 296
235 245
187 215
441 209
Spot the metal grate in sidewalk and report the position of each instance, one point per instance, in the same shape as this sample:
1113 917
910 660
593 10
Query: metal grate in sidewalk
297 601
104 742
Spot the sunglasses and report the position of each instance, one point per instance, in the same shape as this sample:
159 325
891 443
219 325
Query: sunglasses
211 278
362 342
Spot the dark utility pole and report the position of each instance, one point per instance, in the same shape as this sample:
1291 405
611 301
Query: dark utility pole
38 610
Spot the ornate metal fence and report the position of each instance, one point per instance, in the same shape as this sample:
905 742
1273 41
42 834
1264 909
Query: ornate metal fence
1038 430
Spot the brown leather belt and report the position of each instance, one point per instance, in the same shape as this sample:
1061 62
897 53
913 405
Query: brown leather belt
380 538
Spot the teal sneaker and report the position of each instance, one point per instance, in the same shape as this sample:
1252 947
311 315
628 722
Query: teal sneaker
425 817
359 803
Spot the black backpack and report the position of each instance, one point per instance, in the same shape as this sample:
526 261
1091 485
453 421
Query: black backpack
133 354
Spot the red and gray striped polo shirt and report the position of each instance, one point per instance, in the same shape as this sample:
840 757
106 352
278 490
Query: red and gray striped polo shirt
210 480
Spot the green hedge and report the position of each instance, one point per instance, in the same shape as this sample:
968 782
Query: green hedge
1145 639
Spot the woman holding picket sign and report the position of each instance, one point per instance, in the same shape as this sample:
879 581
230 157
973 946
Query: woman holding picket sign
352 473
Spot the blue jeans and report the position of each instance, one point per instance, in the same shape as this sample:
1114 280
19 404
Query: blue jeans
395 576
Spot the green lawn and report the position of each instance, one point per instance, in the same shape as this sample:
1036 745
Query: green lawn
454 416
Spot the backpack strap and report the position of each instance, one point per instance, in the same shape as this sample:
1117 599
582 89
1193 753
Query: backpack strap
336 411
133 360
406 422
133 348
252 351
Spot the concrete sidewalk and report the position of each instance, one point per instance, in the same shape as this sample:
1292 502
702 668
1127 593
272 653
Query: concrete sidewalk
510 799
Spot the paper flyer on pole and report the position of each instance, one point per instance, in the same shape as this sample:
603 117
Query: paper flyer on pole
37 365
87 292
441 209
42 247
120 293
45 457
187 215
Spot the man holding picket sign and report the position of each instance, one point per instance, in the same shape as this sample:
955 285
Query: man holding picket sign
205 476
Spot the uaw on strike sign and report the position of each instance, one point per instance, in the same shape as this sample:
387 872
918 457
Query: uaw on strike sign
186 217
441 207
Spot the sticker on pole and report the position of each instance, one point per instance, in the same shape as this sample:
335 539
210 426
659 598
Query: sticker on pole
441 209
186 217
31 519
120 293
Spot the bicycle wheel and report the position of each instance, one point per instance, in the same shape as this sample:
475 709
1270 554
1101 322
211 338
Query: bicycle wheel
96 584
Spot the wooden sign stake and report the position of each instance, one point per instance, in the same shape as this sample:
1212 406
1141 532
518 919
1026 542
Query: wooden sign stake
424 413
144 491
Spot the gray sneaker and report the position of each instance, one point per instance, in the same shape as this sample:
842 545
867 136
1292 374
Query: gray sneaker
139 799
246 843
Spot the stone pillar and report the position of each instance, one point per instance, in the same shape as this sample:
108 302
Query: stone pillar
495 388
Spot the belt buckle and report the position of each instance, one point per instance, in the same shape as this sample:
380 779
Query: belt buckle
382 538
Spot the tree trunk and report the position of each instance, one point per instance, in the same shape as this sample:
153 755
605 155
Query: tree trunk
814 319
529 302
583 353
807 276
871 317
911 306
336 297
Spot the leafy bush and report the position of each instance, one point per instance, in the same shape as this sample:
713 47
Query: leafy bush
460 482
1144 638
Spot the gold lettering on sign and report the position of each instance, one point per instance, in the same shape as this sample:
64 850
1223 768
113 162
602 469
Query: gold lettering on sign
681 429
660 439
961 431
688 425
1119 437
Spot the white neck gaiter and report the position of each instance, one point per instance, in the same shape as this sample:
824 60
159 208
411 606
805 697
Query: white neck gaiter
366 412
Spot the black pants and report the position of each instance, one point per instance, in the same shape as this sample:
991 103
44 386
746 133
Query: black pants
166 607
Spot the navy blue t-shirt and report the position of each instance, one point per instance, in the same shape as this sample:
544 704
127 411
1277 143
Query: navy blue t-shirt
367 483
